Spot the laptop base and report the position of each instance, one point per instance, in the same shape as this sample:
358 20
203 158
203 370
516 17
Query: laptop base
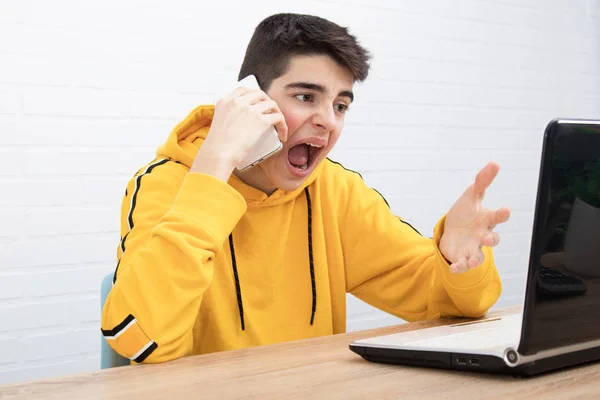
474 362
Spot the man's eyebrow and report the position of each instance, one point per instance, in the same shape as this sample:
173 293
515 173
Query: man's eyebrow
318 88
347 93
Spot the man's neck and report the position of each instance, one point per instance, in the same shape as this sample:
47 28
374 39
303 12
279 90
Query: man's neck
256 178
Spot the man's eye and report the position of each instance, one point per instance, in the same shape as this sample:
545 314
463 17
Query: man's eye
342 108
304 97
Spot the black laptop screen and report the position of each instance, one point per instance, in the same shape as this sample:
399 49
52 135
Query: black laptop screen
563 299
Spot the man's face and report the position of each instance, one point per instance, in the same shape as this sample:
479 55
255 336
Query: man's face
313 96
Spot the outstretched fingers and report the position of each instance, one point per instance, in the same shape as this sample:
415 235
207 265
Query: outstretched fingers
485 177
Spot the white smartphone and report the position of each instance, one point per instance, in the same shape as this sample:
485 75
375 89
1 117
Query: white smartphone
269 142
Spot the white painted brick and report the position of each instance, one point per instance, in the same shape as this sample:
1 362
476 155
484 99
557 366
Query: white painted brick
25 372
523 181
51 39
517 201
432 160
481 75
593 9
492 12
520 221
8 129
82 342
9 68
446 138
64 281
50 313
9 351
59 250
411 181
205 79
524 160
71 220
12 286
105 190
11 162
13 222
409 206
48 39
472 52
79 14
43 100
460 116
52 191
167 105
66 132
517 243
20 68
44 69
13 11
460 96
512 268
72 70
10 100
84 161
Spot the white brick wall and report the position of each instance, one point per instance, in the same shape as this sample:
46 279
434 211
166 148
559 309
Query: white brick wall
88 90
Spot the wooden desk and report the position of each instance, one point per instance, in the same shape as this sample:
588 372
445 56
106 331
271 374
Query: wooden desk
315 368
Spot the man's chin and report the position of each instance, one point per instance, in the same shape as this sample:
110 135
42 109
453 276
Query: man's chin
286 183
290 186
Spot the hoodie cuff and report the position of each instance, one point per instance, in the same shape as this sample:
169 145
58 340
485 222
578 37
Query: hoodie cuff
208 200
464 280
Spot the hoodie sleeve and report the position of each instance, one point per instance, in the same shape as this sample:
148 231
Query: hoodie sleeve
394 268
174 224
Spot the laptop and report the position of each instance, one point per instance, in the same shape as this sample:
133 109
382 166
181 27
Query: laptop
559 325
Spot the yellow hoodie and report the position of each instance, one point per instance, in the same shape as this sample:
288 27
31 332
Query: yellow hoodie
206 266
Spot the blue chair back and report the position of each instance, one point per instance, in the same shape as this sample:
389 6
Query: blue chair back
108 357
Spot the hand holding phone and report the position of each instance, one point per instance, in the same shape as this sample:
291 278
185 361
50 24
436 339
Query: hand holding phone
242 132
268 144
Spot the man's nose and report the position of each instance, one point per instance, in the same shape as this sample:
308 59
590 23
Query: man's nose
325 118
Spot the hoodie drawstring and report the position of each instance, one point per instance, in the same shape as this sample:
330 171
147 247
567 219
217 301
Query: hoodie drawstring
310 259
238 288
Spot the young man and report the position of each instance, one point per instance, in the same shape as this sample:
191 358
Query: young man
214 259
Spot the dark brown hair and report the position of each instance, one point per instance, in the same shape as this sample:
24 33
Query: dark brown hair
281 36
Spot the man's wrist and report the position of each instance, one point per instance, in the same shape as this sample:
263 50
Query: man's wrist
213 163
445 243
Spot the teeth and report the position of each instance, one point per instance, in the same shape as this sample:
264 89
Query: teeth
303 167
313 145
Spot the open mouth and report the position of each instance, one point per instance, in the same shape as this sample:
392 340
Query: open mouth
302 156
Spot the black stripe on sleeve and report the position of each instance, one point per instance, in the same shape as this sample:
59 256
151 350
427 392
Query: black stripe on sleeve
138 183
118 328
136 189
146 353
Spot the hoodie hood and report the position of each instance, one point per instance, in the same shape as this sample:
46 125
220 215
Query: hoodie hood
187 137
